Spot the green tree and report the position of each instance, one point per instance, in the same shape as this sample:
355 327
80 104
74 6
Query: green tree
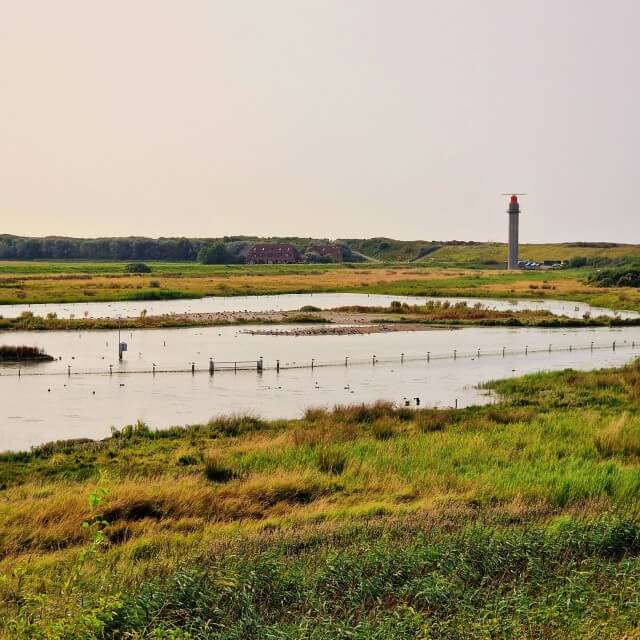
214 254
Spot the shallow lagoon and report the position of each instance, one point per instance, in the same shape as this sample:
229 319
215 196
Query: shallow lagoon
45 404
285 302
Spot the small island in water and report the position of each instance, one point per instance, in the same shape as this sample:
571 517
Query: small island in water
22 353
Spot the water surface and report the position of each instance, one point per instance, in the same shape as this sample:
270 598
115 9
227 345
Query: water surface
45 404
287 302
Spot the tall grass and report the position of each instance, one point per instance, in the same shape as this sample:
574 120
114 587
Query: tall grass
571 578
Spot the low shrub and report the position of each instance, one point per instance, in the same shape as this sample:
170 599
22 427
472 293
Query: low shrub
138 267
216 471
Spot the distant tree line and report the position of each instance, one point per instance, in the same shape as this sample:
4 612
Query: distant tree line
53 248
225 250
234 252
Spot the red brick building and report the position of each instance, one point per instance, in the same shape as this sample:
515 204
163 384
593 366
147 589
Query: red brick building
327 250
273 254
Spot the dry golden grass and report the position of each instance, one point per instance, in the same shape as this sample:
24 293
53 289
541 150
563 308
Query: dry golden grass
48 287
620 437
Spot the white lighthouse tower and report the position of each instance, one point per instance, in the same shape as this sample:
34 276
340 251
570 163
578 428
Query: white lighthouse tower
514 230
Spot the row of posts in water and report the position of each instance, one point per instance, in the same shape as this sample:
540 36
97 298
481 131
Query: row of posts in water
258 365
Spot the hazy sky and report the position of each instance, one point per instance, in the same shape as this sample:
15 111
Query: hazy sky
336 118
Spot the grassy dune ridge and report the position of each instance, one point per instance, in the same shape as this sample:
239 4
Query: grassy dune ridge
496 252
516 520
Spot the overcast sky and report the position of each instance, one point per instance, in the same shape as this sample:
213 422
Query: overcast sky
329 118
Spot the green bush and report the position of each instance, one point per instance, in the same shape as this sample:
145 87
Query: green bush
216 471
215 254
138 267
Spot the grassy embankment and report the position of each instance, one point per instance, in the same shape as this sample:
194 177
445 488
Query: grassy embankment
34 282
517 520
485 253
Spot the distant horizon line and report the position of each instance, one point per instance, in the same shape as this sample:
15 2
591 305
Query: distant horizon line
240 237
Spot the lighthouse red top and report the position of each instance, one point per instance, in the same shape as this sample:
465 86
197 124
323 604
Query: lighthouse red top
514 199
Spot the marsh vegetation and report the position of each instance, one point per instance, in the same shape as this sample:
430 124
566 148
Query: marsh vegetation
22 353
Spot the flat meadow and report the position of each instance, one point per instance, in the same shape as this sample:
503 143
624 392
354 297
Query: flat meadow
68 281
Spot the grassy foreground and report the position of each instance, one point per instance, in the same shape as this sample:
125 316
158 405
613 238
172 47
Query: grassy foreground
516 520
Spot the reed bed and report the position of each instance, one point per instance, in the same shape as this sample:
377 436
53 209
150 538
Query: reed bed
21 353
